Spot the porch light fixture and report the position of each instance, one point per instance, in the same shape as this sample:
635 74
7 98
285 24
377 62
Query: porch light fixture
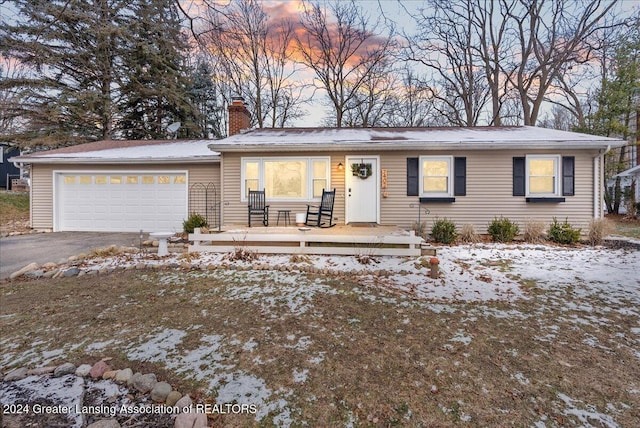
340 166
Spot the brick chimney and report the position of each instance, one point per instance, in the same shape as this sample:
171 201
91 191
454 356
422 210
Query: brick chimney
239 117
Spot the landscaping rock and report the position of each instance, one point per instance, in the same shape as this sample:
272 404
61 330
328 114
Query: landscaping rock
41 371
27 268
105 423
133 378
124 375
50 273
71 272
64 369
38 273
160 392
191 420
173 398
83 370
98 369
144 383
184 402
49 265
16 374
109 374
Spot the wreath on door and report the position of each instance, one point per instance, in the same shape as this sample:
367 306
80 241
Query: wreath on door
362 170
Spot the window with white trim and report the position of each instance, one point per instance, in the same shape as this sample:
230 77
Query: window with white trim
543 175
436 176
286 178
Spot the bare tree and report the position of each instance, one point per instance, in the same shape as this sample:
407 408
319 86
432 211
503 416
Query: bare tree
413 104
446 44
340 45
551 37
373 103
493 42
255 54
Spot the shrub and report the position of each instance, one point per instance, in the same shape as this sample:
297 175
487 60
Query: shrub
503 230
468 234
444 231
240 254
194 220
420 228
598 229
563 233
534 231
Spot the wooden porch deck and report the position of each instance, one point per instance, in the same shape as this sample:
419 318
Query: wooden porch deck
338 240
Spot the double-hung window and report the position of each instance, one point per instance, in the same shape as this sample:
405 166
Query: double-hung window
286 178
436 176
543 175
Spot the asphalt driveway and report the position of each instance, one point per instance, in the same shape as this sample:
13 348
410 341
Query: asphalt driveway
18 251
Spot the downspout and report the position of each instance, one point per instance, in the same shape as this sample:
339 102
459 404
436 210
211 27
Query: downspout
598 181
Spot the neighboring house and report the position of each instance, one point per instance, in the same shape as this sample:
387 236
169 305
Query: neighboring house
381 175
630 176
8 170
118 185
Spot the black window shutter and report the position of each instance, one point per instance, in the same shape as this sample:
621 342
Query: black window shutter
460 176
568 175
413 188
519 176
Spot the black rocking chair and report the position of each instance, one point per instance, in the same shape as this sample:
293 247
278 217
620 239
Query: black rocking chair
315 213
257 206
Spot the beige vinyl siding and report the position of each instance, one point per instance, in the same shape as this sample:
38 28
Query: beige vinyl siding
489 192
42 182
41 196
235 210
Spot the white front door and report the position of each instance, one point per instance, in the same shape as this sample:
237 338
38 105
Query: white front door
362 190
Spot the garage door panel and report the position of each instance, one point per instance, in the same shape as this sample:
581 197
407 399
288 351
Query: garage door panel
121 201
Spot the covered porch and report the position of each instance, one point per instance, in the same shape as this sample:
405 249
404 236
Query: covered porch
374 240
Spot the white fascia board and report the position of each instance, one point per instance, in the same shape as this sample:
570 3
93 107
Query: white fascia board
404 145
82 160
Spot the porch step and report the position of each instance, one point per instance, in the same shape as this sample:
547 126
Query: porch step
427 250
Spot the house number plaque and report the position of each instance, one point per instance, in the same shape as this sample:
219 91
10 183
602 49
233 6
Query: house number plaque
383 182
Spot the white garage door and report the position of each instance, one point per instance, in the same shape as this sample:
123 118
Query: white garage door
121 201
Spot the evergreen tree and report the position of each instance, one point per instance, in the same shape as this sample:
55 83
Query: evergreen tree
70 49
96 69
204 95
616 110
155 76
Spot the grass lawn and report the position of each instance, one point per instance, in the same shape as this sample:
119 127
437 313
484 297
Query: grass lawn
13 206
14 212
339 350
625 226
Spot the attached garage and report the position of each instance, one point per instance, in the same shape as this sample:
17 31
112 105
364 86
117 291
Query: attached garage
120 201
119 186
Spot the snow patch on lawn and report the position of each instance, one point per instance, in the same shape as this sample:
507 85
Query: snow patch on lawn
473 272
64 391
461 337
271 290
158 347
300 375
212 363
587 415
240 387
